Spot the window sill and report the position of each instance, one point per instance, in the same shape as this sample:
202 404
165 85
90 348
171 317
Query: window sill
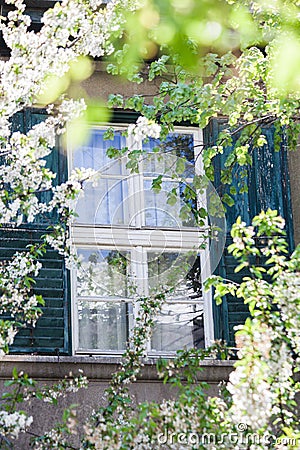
98 367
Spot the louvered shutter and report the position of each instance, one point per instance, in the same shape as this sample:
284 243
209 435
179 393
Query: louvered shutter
268 187
50 335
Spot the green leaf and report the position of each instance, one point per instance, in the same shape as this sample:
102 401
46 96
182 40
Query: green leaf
172 198
112 152
180 165
228 200
15 373
241 266
156 183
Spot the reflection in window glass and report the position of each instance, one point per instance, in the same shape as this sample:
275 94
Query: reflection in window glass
179 272
104 203
93 154
178 326
158 211
103 325
176 144
102 273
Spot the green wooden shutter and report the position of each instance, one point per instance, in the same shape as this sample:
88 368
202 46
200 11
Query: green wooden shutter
268 187
51 333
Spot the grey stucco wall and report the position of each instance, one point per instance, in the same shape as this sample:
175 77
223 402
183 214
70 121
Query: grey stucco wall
294 169
101 84
48 370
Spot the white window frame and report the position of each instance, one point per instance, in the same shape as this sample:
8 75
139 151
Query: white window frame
104 236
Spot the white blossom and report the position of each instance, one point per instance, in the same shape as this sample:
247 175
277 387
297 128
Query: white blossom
14 423
144 128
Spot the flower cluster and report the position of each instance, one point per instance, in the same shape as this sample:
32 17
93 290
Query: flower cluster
287 294
59 239
66 194
69 384
7 334
64 200
144 128
64 36
17 300
262 385
53 439
14 423
249 386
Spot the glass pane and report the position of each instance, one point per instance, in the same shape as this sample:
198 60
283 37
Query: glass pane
176 145
191 286
178 326
102 273
93 154
178 274
103 326
104 204
159 213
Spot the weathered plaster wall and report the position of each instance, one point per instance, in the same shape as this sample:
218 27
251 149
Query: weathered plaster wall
294 168
47 370
101 84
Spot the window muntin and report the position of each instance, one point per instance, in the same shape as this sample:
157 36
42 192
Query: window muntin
121 214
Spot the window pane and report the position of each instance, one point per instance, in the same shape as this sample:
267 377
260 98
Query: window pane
176 145
178 326
162 159
159 213
102 273
103 326
103 204
93 154
191 287
175 273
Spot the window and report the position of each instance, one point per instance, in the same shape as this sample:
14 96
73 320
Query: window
133 240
